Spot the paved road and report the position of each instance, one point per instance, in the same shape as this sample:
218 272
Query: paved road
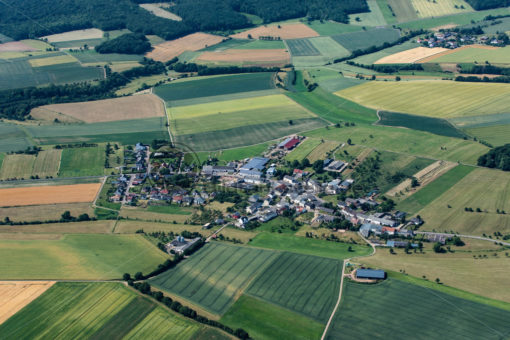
216 232
465 236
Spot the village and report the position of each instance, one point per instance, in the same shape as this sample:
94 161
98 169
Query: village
453 38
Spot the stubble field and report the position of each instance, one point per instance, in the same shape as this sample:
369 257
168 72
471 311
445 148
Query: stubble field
14 295
286 31
193 42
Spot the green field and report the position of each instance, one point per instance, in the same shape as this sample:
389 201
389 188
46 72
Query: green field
328 48
365 39
261 45
426 195
482 188
215 86
403 10
407 141
13 138
91 56
442 97
317 51
373 18
169 209
322 151
331 80
77 257
309 246
302 47
303 149
436 126
304 284
426 9
95 311
364 309
387 12
478 55
45 164
481 121
78 162
329 27
328 107
215 275
496 135
371 58
234 154
265 320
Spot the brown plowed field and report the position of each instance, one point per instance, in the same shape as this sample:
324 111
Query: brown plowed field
286 31
107 110
275 56
75 193
193 42
14 295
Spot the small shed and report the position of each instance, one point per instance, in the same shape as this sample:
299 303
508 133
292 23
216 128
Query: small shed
370 274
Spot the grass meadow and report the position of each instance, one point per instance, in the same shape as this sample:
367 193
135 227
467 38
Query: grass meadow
215 275
303 149
364 39
87 256
265 320
442 97
426 9
479 55
364 310
496 135
309 246
327 27
304 284
78 162
234 154
13 138
371 58
322 151
373 18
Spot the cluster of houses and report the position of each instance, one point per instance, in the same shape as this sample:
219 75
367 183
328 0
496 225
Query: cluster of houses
139 158
451 39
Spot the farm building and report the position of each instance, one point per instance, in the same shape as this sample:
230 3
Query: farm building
256 163
371 274
180 244
291 144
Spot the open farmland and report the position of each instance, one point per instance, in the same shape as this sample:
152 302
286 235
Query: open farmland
331 80
403 10
52 60
410 56
326 49
473 53
327 27
426 9
77 256
437 126
304 284
302 47
322 151
15 295
90 33
160 10
442 97
193 42
235 154
308 246
51 231
48 194
372 18
482 188
286 31
265 320
248 57
107 110
364 39
364 310
303 149
16 46
214 276
371 58
407 141
214 86
496 135
45 211
78 162
45 164
94 58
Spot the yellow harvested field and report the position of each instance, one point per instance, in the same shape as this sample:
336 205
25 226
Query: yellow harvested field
61 59
91 33
286 31
160 10
193 42
14 295
107 110
74 193
429 8
410 56
44 212
274 56
46 163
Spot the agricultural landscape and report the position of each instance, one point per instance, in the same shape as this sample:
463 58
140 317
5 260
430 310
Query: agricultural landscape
255 170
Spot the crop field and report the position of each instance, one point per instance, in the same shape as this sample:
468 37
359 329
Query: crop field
302 47
45 211
160 11
365 39
496 135
257 44
436 126
363 313
442 97
248 57
293 30
48 194
215 275
403 10
235 154
16 46
407 141
92 57
123 131
410 56
136 84
78 44
308 246
235 113
331 80
304 284
53 231
130 227
303 149
215 86
193 42
473 54
45 164
426 9
91 33
322 151
482 188
373 18
264 320
496 26
473 122
429 193
328 47
327 27
77 162
107 110
56 60
371 58
17 294
80 256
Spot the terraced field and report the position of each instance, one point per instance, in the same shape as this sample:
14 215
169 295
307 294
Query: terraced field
364 308
305 284
45 164
215 275
442 97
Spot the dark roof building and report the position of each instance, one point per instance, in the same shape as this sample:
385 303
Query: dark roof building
370 274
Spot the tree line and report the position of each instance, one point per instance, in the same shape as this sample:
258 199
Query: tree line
488 4
498 158
130 43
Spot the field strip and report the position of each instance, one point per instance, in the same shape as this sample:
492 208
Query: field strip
435 56
14 295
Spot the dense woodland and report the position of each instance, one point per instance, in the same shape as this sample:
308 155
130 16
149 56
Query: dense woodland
487 4
131 43
497 158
